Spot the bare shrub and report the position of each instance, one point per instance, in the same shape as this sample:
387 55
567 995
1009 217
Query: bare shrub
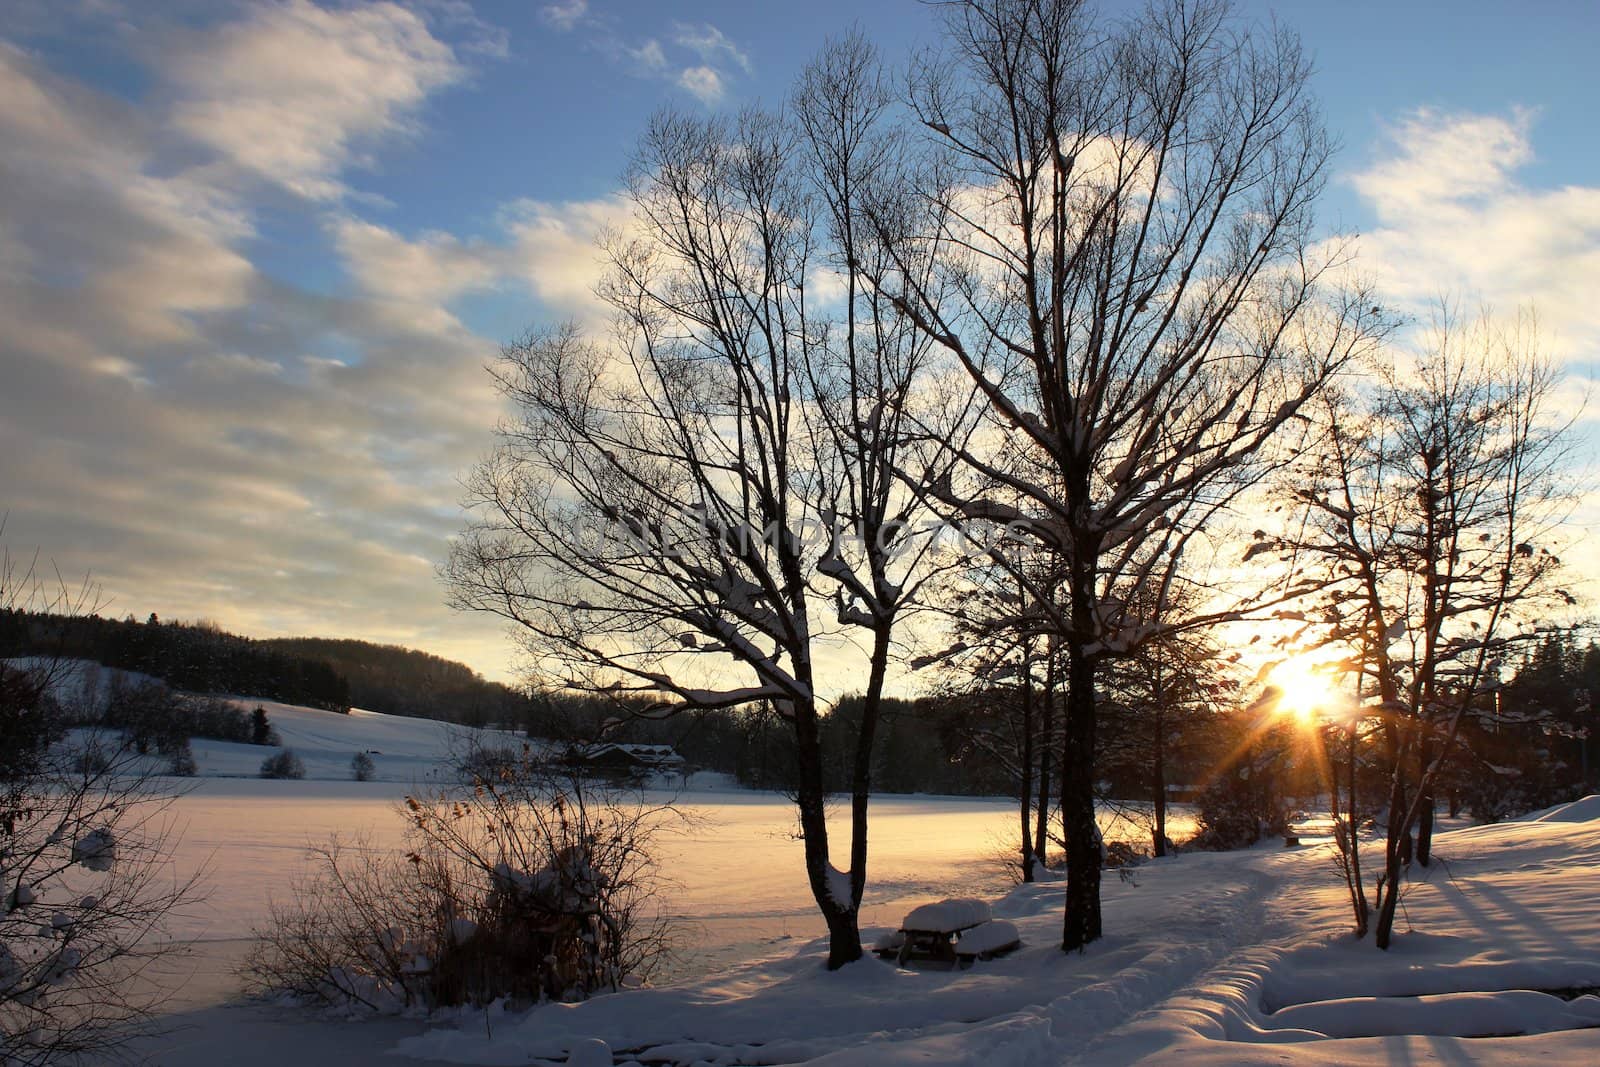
283 764
338 938
524 885
181 762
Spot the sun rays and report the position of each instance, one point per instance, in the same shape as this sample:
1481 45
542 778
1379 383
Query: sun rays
1306 689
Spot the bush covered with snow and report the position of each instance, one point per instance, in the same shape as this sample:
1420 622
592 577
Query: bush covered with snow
523 886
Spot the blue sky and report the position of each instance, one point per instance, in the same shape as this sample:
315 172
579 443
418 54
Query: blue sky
253 256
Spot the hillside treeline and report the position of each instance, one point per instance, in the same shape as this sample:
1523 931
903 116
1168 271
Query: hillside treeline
193 657
404 681
1530 744
330 674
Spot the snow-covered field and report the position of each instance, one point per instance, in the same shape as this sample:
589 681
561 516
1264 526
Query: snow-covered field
735 875
402 749
1208 958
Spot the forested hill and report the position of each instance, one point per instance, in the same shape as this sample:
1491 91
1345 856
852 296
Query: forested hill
315 672
404 681
195 657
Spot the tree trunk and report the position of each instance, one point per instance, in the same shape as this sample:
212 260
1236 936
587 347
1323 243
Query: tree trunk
1158 787
1425 829
861 778
1081 922
1396 857
1396 854
844 935
1346 825
1425 816
1025 793
1046 754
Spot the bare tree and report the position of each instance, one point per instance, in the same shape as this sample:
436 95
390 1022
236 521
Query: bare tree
691 510
995 661
84 851
1123 239
1430 506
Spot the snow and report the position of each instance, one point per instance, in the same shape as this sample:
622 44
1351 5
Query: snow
403 749
739 875
988 937
82 682
839 886
1585 810
1452 1014
590 1053
1228 958
1222 958
948 916
95 851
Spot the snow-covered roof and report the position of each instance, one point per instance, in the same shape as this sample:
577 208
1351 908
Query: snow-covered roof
655 755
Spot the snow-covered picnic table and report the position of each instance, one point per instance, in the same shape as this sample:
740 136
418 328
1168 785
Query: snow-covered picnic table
954 931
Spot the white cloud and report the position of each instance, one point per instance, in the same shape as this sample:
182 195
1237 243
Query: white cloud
435 268
1457 218
566 14
556 251
1436 157
695 58
703 83
710 44
207 440
295 92
648 58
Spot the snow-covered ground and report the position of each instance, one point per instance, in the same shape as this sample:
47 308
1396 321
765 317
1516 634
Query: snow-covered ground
735 874
402 749
1209 959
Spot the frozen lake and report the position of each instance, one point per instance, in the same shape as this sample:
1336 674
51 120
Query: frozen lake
737 877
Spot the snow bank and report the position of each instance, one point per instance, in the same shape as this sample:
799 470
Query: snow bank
1515 1011
1585 810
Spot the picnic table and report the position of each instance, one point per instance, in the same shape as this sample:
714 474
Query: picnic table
959 932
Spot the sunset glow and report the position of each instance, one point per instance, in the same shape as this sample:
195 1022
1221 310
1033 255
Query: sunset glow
970 533
1305 688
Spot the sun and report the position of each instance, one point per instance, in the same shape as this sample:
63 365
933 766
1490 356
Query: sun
1303 689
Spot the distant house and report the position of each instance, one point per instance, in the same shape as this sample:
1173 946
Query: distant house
628 761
